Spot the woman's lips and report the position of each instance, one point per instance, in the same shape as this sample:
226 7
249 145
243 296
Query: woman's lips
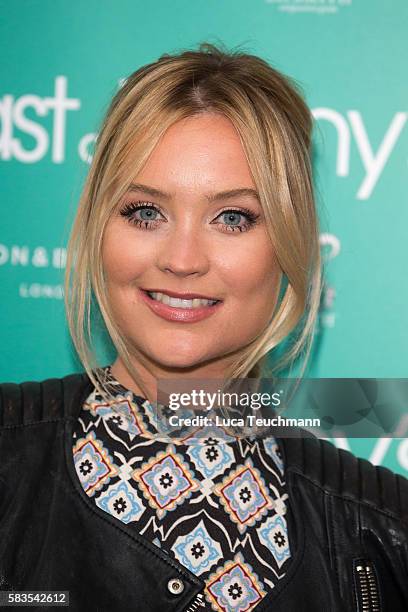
181 315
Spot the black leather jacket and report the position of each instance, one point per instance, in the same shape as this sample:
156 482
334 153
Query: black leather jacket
347 523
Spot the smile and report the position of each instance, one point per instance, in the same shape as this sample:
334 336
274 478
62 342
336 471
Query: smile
180 309
181 303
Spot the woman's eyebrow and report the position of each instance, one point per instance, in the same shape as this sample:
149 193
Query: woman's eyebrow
222 195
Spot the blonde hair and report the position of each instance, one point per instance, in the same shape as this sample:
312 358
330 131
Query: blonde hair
275 128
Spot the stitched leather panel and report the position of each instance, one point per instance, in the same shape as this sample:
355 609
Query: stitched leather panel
11 409
23 403
36 401
338 471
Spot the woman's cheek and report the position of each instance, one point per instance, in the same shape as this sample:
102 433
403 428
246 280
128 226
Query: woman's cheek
248 270
124 259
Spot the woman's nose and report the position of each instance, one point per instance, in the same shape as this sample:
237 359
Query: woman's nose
184 252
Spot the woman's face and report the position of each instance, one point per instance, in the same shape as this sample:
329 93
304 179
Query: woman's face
187 229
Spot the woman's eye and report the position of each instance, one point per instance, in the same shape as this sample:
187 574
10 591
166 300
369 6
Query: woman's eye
237 220
147 214
144 215
232 218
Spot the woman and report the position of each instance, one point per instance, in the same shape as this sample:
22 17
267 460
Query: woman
196 238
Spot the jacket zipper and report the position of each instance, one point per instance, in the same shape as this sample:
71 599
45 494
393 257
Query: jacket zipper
367 588
197 603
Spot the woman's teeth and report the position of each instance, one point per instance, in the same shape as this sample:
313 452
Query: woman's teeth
179 303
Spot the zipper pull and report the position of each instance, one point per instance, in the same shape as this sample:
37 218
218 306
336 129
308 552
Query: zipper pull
367 586
197 603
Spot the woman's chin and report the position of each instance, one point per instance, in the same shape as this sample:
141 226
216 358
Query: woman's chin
180 362
172 358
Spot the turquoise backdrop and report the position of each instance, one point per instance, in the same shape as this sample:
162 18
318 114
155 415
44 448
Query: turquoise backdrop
62 60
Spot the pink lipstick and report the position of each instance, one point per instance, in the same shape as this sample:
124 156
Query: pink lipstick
180 314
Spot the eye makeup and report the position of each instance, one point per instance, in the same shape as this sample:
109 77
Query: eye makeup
131 209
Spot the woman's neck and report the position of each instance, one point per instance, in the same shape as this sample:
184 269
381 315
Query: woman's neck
149 374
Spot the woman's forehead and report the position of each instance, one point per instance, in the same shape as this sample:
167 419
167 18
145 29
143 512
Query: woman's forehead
206 154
